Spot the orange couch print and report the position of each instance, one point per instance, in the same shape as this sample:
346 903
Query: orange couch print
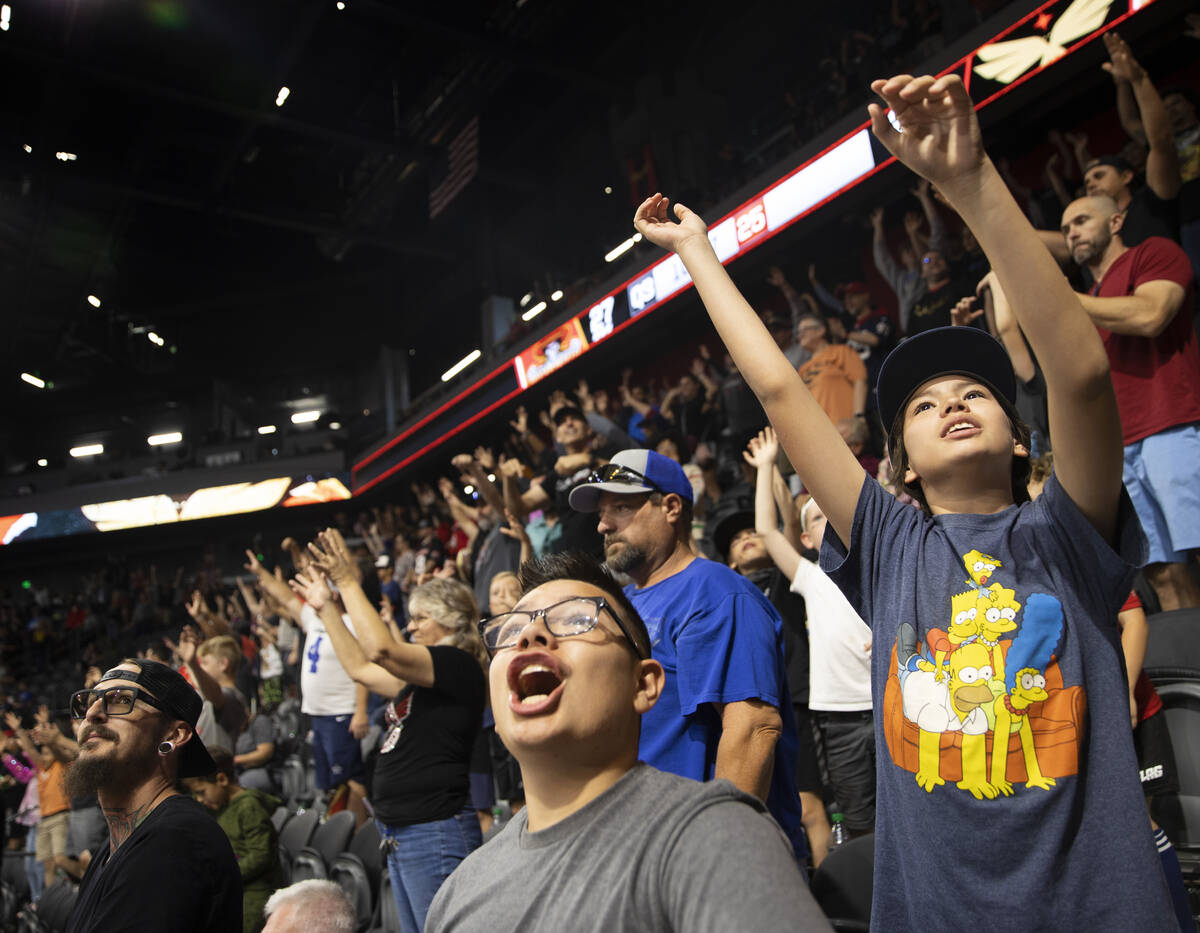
981 701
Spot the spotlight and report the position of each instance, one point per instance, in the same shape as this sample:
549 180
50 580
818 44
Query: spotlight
534 311
282 96
87 450
33 380
556 295
93 301
267 429
306 417
171 437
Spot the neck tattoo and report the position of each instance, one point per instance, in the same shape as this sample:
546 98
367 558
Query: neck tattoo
122 821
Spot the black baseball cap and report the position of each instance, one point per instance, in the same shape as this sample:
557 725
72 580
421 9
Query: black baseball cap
729 526
178 699
568 411
942 351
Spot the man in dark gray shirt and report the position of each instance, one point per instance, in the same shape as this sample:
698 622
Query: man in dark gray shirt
605 842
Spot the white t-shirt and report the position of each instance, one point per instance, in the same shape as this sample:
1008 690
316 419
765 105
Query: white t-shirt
325 687
839 667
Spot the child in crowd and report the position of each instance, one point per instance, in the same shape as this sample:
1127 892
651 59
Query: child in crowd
245 815
1032 838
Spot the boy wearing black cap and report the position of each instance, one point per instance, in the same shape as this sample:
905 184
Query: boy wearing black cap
168 866
1033 841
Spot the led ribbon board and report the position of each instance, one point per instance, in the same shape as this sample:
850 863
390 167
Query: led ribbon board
1035 42
164 509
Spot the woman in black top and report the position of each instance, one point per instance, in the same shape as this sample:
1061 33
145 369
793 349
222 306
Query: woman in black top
420 789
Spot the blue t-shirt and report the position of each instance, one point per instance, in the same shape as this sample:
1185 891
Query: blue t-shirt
719 641
1001 623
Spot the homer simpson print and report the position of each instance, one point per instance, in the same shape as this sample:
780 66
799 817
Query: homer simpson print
979 703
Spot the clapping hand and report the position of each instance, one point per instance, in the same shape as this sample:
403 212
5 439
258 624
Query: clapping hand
653 222
940 140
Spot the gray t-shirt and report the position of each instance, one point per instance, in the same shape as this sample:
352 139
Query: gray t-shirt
654 852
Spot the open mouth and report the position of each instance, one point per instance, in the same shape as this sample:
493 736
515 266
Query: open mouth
535 683
960 427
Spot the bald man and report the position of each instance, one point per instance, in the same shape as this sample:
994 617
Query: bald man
1143 304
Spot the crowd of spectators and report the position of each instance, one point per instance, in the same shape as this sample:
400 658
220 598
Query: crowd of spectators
385 603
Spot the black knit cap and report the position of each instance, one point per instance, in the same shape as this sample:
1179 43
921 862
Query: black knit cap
180 700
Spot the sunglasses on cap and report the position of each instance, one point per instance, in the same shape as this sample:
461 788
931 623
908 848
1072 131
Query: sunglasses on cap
116 701
615 473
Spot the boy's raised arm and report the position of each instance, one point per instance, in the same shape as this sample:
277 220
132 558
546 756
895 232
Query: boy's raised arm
941 141
809 438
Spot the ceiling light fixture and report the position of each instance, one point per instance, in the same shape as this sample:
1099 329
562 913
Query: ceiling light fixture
28 148
621 250
461 365
534 311
282 96
556 295
93 301
87 450
341 5
155 339
526 298
335 426
267 429
5 17
171 437
33 380
306 417
43 462
65 156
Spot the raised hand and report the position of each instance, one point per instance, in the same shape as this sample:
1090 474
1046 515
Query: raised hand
876 216
485 458
941 140
1077 140
333 557
654 224
776 277
763 449
310 586
42 716
511 467
189 641
521 424
962 314
921 190
446 487
464 463
253 565
912 222
13 721
1121 65
699 370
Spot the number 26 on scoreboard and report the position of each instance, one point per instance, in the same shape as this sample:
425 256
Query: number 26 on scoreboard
751 222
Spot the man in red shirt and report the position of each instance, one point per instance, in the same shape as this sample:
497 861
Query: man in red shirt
1143 304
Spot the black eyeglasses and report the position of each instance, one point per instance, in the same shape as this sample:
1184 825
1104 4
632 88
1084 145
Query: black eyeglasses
117 701
615 472
573 616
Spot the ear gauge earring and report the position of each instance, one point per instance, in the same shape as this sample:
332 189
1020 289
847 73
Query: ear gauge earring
165 748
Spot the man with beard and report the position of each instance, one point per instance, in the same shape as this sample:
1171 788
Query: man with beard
1143 304
168 866
725 710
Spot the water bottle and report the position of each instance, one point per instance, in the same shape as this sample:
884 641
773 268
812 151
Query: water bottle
838 835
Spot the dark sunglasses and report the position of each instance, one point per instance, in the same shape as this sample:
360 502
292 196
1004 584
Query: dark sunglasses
614 472
116 701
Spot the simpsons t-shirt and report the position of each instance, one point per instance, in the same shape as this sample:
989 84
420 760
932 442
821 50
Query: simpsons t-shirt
1001 625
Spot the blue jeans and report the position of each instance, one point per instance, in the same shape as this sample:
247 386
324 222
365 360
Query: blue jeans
421 857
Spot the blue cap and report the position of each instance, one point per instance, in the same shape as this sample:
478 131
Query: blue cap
631 472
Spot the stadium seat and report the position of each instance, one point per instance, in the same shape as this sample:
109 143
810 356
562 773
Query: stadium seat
293 783
842 885
279 817
387 917
55 906
330 838
357 870
1179 814
294 836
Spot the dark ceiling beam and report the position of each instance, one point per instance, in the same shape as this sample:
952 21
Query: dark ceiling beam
260 115
295 223
409 15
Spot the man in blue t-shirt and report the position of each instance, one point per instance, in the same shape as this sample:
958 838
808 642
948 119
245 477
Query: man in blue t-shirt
724 711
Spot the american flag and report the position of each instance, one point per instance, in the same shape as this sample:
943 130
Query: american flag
462 166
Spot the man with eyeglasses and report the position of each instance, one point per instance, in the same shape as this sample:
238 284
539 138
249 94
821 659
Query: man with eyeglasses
168 866
606 842
726 709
